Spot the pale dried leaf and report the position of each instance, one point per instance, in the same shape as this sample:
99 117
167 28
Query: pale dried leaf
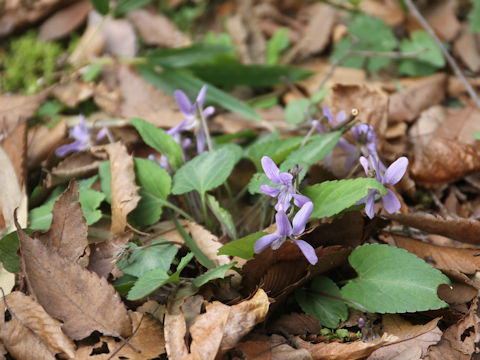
124 189
91 44
74 92
104 254
442 257
207 242
42 141
15 146
31 333
63 22
297 324
12 194
7 280
68 231
157 29
78 297
389 11
467 50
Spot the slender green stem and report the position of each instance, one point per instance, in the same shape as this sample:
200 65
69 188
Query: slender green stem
175 208
205 129
208 223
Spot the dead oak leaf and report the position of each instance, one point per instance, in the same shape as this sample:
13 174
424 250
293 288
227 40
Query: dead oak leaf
42 141
67 291
68 231
124 189
31 333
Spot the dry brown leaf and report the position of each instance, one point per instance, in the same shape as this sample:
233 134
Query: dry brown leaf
31 333
74 92
16 14
63 22
460 229
321 18
458 341
157 29
42 141
68 231
207 242
396 330
12 195
456 293
78 297
389 11
418 95
297 324
78 165
15 146
442 257
91 44
467 50
103 255
124 189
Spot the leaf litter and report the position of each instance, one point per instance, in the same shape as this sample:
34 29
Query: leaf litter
72 297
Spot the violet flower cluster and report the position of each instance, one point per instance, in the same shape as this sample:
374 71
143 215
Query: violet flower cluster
285 193
83 138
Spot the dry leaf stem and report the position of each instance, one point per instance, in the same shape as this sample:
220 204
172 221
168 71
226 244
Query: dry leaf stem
451 61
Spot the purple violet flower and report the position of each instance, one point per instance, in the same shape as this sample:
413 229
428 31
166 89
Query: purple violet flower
81 134
285 230
388 177
286 191
189 112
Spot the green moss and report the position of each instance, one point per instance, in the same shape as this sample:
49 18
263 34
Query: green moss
29 64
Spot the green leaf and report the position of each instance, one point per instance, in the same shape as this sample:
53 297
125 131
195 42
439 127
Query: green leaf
40 218
215 273
256 181
155 185
326 310
277 43
172 79
160 141
277 150
296 111
476 135
425 63
157 256
243 247
90 200
332 197
204 172
222 215
124 283
236 74
175 277
124 6
474 16
186 56
9 246
392 280
148 283
105 180
102 6
92 72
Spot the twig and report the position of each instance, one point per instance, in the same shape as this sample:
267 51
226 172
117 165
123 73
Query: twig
416 13
126 341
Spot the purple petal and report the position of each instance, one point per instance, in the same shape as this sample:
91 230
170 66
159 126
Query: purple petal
271 170
178 129
375 161
390 202
283 202
300 200
308 251
184 103
346 146
365 164
208 111
102 133
80 133
328 114
341 116
186 143
264 242
301 218
286 178
73 147
269 190
283 224
370 204
202 94
351 158
395 171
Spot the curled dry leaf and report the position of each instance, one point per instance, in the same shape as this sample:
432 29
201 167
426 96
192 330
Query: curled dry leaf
12 194
418 95
74 92
68 231
157 29
91 44
396 330
31 333
63 22
389 11
456 293
444 258
458 341
67 291
124 189
15 146
43 141
297 324
207 242
460 229
103 255
466 49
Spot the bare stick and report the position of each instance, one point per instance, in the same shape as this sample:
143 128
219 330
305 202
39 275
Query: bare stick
451 61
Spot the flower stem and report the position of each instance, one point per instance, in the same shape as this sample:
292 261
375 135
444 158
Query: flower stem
205 129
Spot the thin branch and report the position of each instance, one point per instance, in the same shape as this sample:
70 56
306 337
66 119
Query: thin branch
416 13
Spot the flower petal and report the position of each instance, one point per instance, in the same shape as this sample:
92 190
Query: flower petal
208 111
341 116
300 200
264 242
391 204
73 147
270 190
283 224
178 129
284 199
301 218
328 114
202 94
184 103
271 170
308 251
370 204
395 171
365 164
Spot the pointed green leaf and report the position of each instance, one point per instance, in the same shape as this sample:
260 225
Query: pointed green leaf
124 6
148 283
185 56
102 6
215 273
90 200
175 277
392 280
222 215
243 247
332 197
